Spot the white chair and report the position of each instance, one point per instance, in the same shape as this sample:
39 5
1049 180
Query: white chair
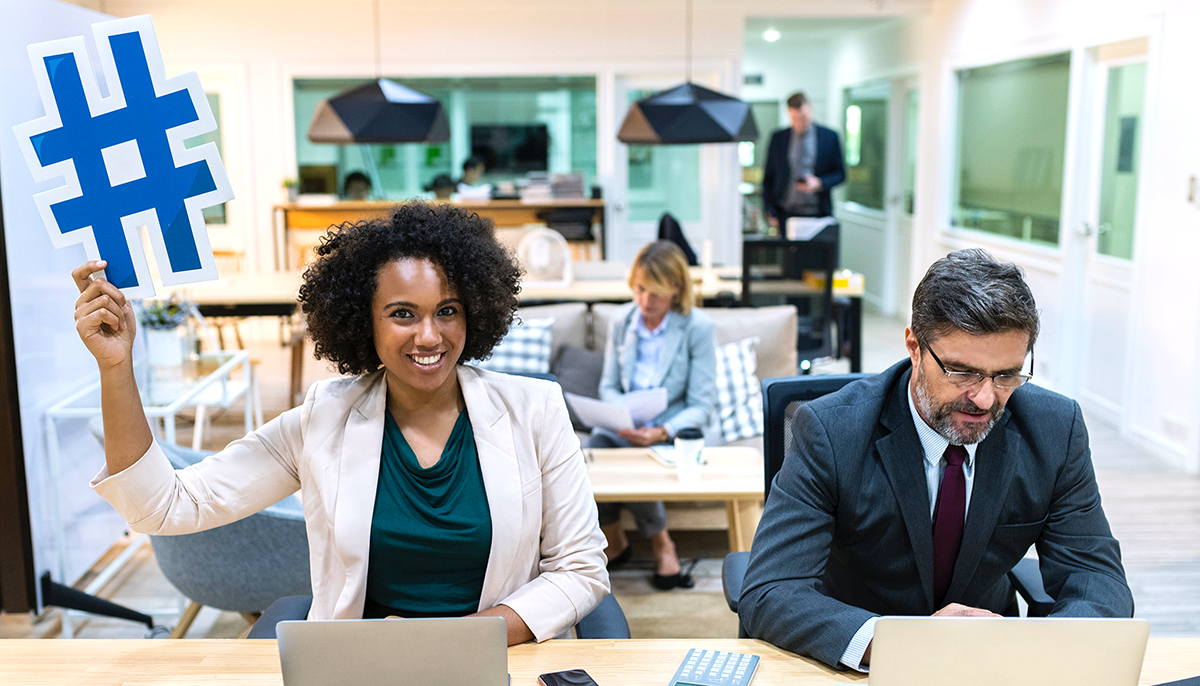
546 259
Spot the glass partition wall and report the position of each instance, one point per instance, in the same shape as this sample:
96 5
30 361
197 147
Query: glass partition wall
1011 144
499 119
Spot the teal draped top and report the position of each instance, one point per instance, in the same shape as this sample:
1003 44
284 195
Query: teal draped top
432 530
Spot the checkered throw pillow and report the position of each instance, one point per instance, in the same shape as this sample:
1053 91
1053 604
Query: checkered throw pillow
739 393
526 348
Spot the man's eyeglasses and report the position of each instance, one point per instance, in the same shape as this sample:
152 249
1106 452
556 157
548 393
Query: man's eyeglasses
969 379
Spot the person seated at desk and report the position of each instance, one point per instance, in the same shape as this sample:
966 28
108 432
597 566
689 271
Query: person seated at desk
357 186
430 487
657 341
470 186
915 491
442 187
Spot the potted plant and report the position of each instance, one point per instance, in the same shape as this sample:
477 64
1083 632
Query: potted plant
162 320
292 187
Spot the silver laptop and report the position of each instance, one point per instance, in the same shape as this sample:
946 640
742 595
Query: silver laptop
395 652
990 651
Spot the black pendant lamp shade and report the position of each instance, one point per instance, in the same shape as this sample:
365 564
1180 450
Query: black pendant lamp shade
381 111
688 114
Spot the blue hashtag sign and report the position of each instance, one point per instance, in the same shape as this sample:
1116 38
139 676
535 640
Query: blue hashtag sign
123 158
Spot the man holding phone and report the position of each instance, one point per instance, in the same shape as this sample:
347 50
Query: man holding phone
804 163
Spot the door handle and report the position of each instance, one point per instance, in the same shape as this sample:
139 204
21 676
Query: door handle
1085 229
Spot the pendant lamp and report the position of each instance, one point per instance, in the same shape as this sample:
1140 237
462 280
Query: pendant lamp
688 113
380 111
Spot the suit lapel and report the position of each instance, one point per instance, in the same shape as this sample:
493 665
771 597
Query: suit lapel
902 457
358 479
492 427
994 468
672 340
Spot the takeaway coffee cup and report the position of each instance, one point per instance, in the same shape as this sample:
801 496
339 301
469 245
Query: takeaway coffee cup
688 443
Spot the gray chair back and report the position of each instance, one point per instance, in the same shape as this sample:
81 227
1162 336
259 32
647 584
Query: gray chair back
243 566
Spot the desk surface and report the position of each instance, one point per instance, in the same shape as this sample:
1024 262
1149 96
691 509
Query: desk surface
631 474
610 663
280 288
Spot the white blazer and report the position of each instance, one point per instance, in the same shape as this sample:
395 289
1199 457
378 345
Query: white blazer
547 558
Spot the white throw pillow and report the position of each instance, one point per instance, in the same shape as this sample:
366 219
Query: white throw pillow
739 393
525 349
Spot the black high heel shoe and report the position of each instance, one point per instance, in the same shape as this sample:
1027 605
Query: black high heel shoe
621 558
665 582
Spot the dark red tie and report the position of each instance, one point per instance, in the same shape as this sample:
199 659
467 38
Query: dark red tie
948 521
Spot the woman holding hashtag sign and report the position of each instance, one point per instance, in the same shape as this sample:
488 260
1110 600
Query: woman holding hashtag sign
430 488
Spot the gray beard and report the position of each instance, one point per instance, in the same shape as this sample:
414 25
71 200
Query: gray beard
939 417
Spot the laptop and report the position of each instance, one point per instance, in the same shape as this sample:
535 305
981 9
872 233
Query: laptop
992 651
394 652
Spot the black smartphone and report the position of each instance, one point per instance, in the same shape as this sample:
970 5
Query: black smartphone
571 677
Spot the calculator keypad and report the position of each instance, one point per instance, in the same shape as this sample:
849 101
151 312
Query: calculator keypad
715 668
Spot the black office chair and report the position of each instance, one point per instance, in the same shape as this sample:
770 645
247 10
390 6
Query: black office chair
815 320
606 621
781 398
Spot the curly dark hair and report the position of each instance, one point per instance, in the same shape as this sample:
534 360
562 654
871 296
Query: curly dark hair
339 287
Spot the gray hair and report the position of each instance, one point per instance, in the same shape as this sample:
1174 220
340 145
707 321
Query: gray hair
969 290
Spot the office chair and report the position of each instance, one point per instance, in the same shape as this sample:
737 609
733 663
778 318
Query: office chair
782 284
606 621
781 398
243 566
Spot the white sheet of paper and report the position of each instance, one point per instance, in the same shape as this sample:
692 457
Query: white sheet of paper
804 228
600 414
645 405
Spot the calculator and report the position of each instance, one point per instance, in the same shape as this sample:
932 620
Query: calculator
715 668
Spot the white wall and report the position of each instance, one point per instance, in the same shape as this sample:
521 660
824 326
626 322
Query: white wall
789 65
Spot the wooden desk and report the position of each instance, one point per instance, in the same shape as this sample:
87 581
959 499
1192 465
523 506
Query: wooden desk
610 663
732 474
503 213
246 295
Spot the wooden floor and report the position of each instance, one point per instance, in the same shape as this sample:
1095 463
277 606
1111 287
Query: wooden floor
1154 511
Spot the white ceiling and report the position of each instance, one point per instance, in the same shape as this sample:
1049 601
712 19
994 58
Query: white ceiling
794 29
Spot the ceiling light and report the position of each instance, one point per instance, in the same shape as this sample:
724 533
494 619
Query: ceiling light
770 35
688 113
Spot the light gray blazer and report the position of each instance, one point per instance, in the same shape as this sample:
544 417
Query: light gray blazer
546 561
687 368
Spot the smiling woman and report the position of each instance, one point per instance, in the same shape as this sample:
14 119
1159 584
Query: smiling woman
430 488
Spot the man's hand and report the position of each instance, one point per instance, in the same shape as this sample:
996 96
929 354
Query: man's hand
956 610
810 184
773 221
645 436
951 610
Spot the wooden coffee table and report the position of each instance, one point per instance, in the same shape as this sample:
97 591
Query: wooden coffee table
730 474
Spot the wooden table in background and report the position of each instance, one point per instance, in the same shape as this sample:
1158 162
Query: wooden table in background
732 474
506 214
610 663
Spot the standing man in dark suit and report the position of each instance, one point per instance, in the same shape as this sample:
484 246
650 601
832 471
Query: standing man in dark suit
913 492
804 163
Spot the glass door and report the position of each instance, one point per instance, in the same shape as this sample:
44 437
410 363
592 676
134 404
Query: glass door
1109 230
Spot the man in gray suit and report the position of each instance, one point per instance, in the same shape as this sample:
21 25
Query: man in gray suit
913 492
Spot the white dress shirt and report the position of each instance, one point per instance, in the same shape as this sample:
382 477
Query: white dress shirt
934 445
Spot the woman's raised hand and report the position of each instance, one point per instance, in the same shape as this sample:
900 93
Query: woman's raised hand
103 316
